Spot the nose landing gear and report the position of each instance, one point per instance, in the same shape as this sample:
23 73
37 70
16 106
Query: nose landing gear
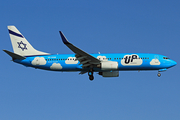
161 70
159 74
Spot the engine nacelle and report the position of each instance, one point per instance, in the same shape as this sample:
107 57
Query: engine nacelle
109 65
110 74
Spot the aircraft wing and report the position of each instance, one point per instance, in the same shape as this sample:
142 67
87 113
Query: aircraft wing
84 58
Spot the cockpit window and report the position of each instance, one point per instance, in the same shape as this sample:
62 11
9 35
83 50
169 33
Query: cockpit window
165 58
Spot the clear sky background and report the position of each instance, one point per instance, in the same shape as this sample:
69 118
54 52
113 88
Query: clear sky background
106 26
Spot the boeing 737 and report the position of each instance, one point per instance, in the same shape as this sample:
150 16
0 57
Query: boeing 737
106 65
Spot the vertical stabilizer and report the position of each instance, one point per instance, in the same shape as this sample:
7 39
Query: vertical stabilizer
20 45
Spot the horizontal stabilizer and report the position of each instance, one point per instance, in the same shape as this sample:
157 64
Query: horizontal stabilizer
14 55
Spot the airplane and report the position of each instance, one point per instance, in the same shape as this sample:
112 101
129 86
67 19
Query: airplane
106 65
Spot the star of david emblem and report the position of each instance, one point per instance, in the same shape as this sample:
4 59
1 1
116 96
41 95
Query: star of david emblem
22 45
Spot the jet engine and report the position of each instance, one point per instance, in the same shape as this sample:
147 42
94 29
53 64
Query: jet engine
108 65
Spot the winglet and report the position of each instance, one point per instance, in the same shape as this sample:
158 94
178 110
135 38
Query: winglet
64 39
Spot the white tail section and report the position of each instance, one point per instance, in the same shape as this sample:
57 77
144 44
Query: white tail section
20 45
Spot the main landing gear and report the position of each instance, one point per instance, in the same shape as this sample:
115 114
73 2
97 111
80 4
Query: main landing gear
90 73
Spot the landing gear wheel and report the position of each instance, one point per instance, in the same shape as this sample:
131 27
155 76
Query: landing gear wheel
91 77
90 73
159 74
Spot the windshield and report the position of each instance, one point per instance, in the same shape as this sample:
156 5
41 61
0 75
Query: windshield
165 58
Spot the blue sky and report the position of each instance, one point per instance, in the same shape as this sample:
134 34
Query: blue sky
94 26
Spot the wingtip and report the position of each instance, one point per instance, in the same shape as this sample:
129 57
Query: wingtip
64 39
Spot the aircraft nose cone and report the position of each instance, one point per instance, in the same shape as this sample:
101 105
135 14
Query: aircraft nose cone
173 63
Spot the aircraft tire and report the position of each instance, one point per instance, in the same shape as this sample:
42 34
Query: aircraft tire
91 77
159 74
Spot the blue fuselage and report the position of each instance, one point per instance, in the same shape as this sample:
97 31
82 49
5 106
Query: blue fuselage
126 61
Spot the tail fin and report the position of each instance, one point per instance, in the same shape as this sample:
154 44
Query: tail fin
20 45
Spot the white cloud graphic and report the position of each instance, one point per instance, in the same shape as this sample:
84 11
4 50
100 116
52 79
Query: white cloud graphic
38 61
71 60
56 66
155 62
102 58
131 60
